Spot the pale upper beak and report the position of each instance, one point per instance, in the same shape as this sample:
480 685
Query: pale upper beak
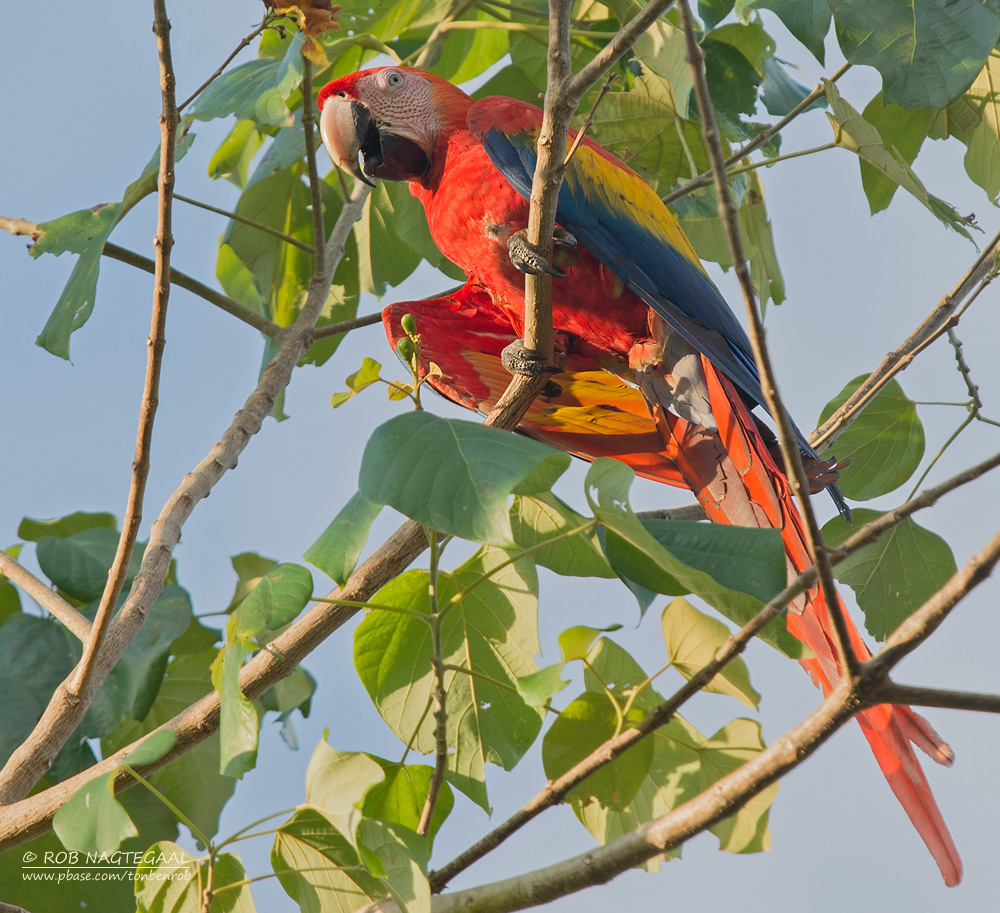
344 124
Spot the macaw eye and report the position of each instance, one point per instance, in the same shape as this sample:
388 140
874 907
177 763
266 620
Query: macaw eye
394 80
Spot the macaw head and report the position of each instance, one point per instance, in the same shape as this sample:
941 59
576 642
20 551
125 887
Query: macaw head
386 122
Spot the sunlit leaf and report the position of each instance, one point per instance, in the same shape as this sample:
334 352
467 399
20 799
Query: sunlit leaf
337 549
169 880
537 519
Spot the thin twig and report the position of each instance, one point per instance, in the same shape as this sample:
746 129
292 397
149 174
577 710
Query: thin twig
181 280
163 242
914 695
315 186
268 19
786 434
47 598
345 326
582 132
31 759
236 217
761 139
439 691
929 329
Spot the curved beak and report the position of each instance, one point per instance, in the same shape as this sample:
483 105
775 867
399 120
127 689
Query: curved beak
366 148
347 129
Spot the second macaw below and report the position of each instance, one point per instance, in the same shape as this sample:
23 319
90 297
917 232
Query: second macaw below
654 369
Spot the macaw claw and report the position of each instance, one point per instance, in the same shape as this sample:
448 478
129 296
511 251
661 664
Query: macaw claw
527 259
519 360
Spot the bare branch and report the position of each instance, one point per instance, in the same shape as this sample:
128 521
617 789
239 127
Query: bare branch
930 328
440 693
46 597
164 243
236 217
894 693
31 759
769 387
345 326
268 19
315 187
686 512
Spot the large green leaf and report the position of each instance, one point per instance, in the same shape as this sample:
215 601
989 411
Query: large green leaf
693 638
455 476
232 158
982 159
468 52
318 866
885 443
928 51
807 20
582 727
192 781
684 764
400 797
853 132
85 233
894 576
538 519
250 91
93 820
404 855
170 880
337 549
95 893
903 131
35 657
275 602
79 564
491 632
64 527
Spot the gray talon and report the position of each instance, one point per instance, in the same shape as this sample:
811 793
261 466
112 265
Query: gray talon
527 259
519 360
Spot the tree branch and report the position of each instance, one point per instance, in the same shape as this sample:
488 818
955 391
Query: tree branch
941 317
315 187
786 433
344 326
164 243
236 217
761 139
46 597
30 760
894 693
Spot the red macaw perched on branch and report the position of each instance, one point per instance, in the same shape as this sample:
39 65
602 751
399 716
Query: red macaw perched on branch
658 371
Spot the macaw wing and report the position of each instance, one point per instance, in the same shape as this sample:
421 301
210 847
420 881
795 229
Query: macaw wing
622 222
588 412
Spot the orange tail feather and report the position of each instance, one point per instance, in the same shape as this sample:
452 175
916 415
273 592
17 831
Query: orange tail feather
737 482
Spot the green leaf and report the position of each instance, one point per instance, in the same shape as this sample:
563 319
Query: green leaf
93 820
318 867
928 51
250 91
338 781
85 232
404 855
400 797
250 570
661 51
239 724
337 550
807 20
538 688
582 727
537 519
712 12
853 132
885 443
276 600
684 764
232 158
779 92
79 564
192 781
169 880
454 476
901 130
732 79
982 158
575 642
893 577
384 257
63 527
154 822
469 52
491 632
34 658
693 638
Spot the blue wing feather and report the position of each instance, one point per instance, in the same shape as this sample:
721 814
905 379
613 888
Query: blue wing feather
667 280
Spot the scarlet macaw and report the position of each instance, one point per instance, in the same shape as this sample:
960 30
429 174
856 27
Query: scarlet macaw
659 373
